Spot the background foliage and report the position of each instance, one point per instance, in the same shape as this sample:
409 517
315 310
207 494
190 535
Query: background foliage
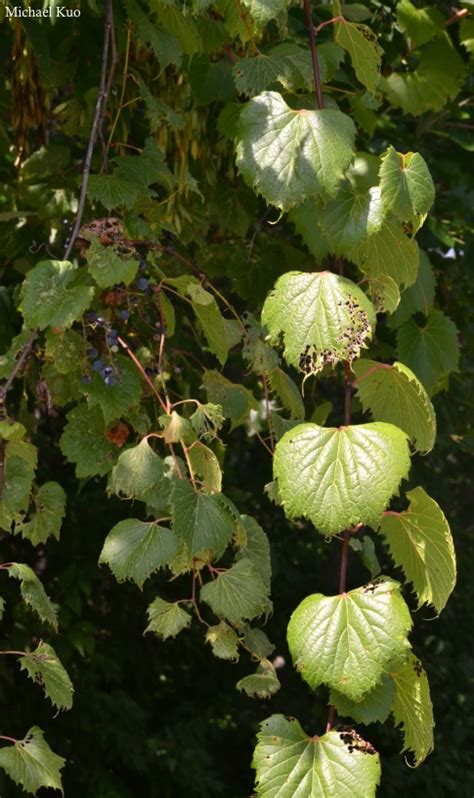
163 718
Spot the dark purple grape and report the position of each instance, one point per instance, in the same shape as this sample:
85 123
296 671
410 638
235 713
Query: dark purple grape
149 372
86 379
92 353
142 264
124 314
133 300
108 370
100 321
91 315
142 283
110 380
98 365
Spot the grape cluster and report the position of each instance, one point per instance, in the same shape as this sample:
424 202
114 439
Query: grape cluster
106 371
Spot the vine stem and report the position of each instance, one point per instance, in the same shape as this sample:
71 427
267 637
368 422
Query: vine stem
314 54
100 104
142 371
14 653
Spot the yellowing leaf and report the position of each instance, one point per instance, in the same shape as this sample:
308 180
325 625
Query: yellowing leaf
420 542
338 477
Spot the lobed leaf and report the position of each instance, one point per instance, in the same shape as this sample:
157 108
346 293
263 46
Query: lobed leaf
202 520
394 394
365 51
44 667
167 619
49 296
135 549
412 709
237 594
339 477
325 319
288 763
32 764
288 155
420 542
33 593
348 642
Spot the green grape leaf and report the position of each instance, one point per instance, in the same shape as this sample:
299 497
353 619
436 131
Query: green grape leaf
115 400
113 192
338 477
236 400
202 520
389 252
286 63
64 349
438 78
256 548
18 476
420 542
32 764
49 297
224 641
264 683
50 509
288 393
365 548
140 474
263 11
44 668
165 46
466 34
412 709
288 155
419 297
135 549
375 706
180 25
107 265
348 218
324 318
406 186
431 351
33 592
384 293
365 51
212 322
257 643
288 763
420 25
8 358
349 641
2 607
205 466
84 442
394 394
237 594
167 619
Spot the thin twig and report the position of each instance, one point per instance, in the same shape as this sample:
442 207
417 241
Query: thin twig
142 371
100 104
123 89
113 64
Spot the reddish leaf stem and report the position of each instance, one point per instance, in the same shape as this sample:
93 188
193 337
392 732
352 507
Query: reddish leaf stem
8 739
314 54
